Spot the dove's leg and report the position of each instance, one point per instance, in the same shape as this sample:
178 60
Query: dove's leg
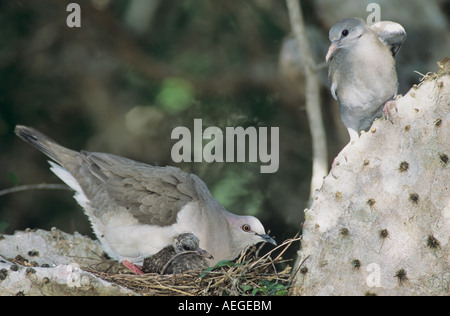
132 267
387 110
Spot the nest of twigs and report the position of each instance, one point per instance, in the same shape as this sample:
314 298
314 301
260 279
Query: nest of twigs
249 275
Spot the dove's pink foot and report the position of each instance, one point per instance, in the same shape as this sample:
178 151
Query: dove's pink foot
387 110
136 269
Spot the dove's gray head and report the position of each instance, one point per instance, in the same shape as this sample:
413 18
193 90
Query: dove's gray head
345 34
189 242
247 231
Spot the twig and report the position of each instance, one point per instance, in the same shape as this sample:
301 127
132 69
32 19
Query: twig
319 146
35 187
286 243
294 275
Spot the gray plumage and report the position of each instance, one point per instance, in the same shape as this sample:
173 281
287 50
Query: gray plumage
362 69
183 255
136 209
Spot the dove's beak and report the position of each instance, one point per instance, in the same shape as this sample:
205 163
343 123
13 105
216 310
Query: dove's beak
331 51
267 238
205 254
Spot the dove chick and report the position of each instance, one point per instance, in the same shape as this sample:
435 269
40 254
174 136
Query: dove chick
183 255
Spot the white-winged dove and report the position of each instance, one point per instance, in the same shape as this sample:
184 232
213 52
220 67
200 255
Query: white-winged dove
362 70
136 209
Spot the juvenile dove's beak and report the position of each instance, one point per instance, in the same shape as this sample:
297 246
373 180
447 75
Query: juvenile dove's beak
205 254
331 51
267 238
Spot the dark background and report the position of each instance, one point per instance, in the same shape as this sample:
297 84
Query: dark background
127 77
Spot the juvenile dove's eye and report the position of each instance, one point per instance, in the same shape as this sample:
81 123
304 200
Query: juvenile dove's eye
345 32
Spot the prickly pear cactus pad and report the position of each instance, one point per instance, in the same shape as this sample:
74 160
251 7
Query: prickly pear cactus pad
383 226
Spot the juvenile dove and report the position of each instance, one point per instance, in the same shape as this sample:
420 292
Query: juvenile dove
362 71
136 209
184 255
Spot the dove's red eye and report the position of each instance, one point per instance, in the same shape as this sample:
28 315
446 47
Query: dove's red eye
345 32
246 228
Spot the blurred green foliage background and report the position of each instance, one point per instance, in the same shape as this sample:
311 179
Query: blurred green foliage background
137 69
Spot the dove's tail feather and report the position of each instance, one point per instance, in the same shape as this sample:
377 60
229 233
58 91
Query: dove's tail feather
45 144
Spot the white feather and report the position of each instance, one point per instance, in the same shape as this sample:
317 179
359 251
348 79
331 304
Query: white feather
68 179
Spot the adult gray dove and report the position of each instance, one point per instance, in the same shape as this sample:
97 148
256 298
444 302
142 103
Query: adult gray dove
184 255
362 71
136 209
